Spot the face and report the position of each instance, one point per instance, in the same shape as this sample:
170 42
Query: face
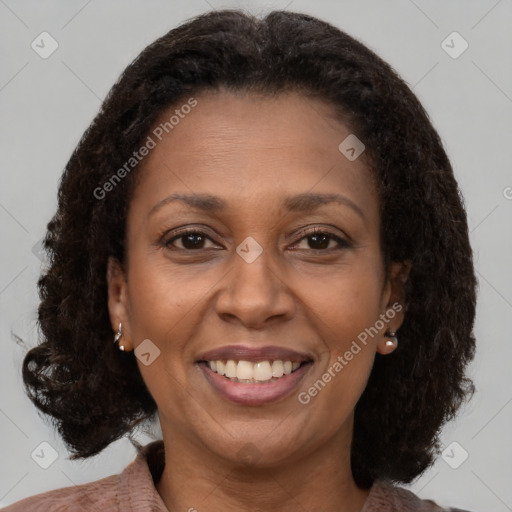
251 237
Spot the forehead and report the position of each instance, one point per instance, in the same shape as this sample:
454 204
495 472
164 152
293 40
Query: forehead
242 145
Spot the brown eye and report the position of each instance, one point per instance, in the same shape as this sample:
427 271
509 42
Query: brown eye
190 240
319 240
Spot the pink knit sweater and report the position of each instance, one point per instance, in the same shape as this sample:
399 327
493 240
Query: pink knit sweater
134 490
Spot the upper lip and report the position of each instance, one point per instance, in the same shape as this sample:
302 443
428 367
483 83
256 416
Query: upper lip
245 353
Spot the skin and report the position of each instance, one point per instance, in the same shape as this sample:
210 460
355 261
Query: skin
253 151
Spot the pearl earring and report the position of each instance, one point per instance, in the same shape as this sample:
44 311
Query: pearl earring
393 342
118 336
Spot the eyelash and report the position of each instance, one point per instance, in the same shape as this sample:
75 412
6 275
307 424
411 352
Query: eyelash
343 244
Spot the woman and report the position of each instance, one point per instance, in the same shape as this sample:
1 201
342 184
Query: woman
265 223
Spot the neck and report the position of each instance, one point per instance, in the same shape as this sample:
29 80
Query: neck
194 479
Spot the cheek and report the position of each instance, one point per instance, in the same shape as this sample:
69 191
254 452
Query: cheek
161 296
167 307
345 309
347 360
347 301
164 304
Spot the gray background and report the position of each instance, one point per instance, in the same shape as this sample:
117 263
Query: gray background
46 104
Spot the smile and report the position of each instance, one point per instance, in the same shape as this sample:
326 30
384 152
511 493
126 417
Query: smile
251 391
251 373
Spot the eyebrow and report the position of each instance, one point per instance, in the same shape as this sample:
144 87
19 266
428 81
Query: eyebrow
306 202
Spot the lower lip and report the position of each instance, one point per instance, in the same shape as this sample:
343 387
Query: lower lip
255 394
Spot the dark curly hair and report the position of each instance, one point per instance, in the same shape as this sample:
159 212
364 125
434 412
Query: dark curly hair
95 394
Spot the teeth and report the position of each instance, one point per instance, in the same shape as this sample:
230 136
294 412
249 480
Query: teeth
262 371
244 370
230 370
277 369
247 371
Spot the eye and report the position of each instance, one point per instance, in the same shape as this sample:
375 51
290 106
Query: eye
317 239
191 239
320 239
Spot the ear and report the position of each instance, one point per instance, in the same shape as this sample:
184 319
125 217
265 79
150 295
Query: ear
393 304
118 302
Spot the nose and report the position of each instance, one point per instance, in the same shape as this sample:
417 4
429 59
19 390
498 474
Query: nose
256 293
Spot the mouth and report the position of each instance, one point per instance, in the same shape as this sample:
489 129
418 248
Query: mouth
248 372
252 391
254 376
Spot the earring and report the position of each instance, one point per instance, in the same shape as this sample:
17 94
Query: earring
118 336
393 342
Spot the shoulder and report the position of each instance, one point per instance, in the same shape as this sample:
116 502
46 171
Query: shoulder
100 495
131 490
385 497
